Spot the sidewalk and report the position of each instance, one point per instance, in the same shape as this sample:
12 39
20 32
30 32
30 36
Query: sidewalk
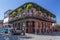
44 37
56 36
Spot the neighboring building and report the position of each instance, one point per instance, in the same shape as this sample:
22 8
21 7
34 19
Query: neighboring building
32 17
6 19
1 24
57 28
58 23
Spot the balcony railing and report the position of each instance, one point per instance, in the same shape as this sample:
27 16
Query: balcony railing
31 15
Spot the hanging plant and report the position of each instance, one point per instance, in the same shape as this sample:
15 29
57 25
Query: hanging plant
38 9
19 10
28 6
13 14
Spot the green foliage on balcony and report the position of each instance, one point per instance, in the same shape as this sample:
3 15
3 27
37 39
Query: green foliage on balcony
19 10
44 12
28 6
13 14
38 8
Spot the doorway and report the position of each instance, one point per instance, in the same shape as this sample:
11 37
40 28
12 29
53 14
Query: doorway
30 27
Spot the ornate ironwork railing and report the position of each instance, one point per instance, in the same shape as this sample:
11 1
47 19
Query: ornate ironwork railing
31 15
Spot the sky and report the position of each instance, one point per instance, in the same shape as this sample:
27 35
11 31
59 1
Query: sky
51 5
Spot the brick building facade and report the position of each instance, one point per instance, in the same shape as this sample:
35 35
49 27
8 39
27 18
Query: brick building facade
34 18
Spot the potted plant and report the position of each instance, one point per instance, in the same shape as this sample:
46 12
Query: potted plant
19 11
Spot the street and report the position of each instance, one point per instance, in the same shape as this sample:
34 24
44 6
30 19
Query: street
13 37
54 36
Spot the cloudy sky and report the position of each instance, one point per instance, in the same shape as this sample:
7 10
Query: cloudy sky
51 5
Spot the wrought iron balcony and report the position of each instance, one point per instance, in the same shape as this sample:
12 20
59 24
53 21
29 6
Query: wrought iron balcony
31 15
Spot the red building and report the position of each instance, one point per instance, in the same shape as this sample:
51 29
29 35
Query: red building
34 18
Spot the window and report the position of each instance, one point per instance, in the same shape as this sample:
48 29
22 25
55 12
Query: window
23 14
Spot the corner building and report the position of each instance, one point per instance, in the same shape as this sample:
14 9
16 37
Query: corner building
34 18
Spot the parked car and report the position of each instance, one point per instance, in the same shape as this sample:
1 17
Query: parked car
17 31
4 30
